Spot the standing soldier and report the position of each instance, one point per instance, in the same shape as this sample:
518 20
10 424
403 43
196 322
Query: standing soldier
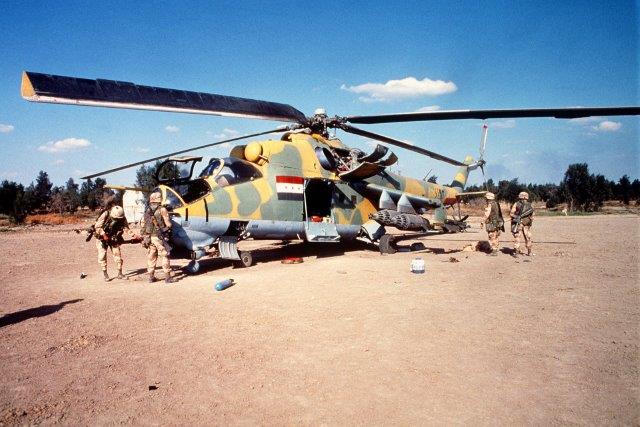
156 228
108 231
493 222
521 220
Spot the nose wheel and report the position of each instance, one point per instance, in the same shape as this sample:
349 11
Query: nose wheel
193 267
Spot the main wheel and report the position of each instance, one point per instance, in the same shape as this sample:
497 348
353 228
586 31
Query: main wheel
387 244
246 259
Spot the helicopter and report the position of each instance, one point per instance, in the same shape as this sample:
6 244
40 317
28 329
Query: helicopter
306 185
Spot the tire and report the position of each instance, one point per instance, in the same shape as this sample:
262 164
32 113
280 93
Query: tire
193 267
246 259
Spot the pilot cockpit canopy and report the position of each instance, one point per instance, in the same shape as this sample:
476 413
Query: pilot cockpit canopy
230 171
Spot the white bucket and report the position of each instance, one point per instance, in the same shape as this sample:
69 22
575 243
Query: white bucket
417 265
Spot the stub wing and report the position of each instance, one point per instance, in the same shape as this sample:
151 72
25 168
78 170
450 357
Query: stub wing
389 198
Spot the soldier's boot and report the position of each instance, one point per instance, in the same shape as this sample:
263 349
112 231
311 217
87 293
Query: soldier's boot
516 254
169 279
152 278
120 275
530 252
105 275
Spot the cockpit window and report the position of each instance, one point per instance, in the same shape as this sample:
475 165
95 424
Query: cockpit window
236 171
210 168
171 200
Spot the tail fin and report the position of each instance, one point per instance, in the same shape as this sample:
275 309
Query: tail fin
460 179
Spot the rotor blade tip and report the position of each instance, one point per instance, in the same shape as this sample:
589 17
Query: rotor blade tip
26 88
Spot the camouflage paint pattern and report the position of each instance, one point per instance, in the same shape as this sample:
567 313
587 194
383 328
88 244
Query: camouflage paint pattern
257 200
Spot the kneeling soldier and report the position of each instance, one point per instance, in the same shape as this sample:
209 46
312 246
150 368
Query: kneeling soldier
109 228
156 230
521 221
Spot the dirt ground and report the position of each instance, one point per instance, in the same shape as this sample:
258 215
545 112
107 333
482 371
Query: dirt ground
347 337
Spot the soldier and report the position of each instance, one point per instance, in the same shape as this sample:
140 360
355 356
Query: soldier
156 228
493 222
108 231
521 220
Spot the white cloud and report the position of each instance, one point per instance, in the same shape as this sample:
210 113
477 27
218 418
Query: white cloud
506 124
172 129
141 150
58 162
406 88
6 128
67 144
428 108
607 126
226 134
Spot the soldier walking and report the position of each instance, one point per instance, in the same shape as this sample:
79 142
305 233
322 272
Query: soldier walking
156 229
521 221
493 222
108 231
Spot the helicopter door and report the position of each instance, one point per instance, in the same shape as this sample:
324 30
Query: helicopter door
319 225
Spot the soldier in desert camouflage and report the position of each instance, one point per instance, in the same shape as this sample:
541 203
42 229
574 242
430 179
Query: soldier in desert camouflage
521 221
493 222
108 231
156 228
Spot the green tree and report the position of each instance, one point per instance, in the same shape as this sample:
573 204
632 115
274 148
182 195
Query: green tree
577 183
601 190
42 190
72 195
625 189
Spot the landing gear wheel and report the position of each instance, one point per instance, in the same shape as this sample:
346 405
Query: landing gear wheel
387 244
246 259
193 267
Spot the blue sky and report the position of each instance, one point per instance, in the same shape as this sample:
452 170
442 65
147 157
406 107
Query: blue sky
336 55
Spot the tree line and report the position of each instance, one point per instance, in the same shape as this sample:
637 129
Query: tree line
41 196
579 189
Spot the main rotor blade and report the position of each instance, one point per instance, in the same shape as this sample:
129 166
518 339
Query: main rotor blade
115 94
130 165
398 143
558 113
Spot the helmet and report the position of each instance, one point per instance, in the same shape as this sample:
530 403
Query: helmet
116 212
155 198
523 195
490 195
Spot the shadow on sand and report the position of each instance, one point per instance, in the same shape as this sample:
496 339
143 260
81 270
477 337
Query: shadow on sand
43 310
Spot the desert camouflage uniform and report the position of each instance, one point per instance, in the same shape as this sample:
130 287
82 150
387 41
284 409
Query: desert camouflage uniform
492 215
157 245
102 246
524 228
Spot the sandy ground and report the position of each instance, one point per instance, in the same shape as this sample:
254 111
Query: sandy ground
347 337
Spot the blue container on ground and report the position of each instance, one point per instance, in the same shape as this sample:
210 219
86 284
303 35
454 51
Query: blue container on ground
221 286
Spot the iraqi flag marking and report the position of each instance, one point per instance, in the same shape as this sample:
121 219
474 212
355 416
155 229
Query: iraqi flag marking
290 187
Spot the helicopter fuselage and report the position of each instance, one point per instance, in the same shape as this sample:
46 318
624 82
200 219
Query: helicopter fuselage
281 189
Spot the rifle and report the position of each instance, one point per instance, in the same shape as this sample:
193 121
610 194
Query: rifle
89 230
517 219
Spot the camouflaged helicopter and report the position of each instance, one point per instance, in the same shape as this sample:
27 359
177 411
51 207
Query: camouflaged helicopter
305 185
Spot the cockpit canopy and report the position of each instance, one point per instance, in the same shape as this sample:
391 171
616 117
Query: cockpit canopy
230 171
218 172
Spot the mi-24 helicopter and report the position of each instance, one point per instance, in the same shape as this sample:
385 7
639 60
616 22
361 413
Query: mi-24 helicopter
305 185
